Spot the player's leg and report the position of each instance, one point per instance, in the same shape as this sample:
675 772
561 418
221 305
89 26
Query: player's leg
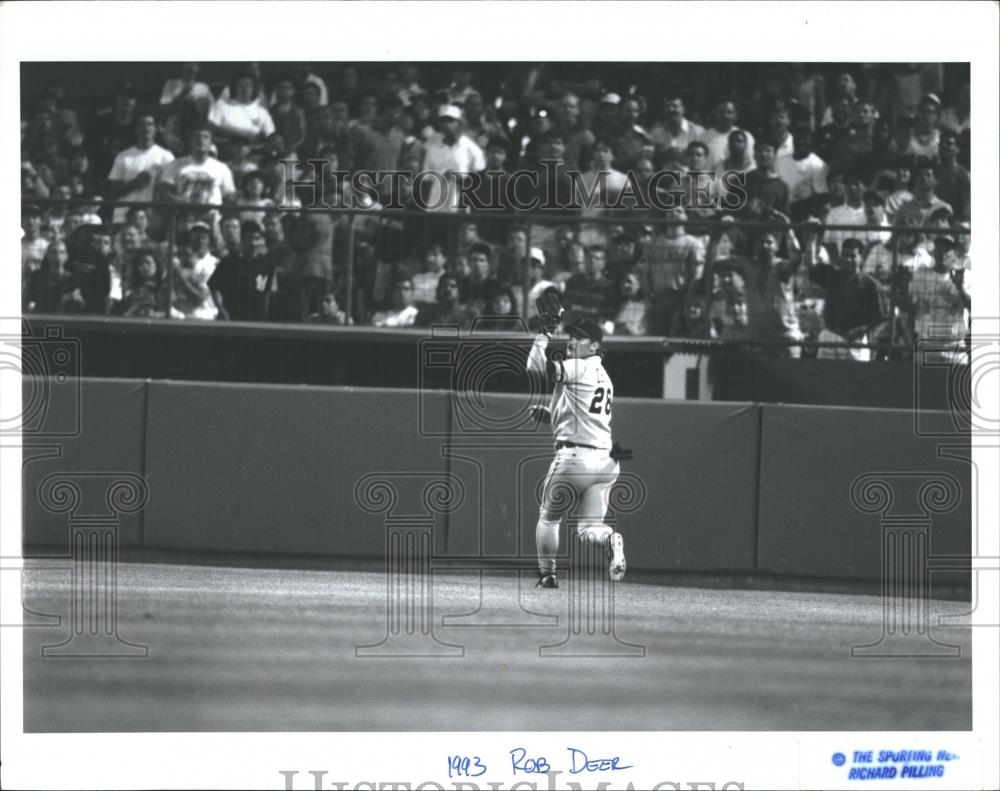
591 526
558 498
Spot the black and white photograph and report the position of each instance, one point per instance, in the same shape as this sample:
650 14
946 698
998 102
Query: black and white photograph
410 408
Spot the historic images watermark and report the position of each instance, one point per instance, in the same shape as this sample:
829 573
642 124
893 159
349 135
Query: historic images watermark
552 187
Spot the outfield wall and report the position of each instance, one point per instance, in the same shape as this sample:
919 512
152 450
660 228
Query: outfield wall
273 469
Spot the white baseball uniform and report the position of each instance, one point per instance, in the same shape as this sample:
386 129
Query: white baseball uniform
581 474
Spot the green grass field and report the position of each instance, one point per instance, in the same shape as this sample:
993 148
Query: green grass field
237 649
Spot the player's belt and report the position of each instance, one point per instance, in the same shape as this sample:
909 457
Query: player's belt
565 444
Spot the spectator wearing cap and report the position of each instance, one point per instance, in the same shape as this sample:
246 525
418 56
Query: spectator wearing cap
716 137
403 312
191 272
632 142
576 135
953 181
852 306
197 178
113 129
242 283
925 200
925 136
674 131
240 117
451 154
607 121
939 297
136 170
536 277
805 175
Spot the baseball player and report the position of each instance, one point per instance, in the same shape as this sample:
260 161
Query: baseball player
586 461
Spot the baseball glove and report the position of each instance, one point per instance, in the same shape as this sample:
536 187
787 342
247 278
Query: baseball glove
550 310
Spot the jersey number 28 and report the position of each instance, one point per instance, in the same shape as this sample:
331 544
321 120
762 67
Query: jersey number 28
599 396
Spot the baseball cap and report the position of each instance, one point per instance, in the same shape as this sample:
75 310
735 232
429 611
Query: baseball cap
537 254
200 226
611 98
582 327
450 111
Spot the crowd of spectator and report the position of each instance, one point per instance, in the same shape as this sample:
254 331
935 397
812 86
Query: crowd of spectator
867 145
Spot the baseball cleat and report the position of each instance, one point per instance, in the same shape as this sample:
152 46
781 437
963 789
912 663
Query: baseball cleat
616 551
547 581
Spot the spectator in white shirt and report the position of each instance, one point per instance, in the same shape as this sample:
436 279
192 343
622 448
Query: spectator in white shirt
925 136
135 171
850 212
805 174
242 117
780 125
404 309
450 153
191 272
198 178
675 131
716 137
590 195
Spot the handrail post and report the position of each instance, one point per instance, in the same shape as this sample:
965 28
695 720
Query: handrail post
894 280
707 275
526 275
349 274
171 252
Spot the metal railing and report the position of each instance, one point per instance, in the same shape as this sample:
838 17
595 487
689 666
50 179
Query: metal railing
370 235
